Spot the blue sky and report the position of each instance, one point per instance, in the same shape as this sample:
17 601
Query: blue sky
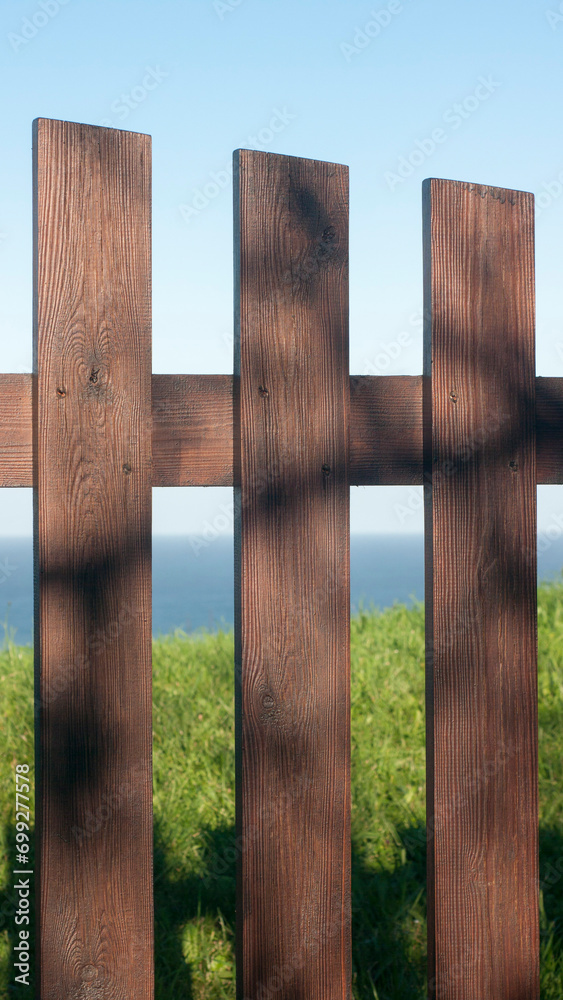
358 83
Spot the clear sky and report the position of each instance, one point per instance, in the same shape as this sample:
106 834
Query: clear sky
353 82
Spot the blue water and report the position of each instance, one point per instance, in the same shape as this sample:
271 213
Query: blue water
193 586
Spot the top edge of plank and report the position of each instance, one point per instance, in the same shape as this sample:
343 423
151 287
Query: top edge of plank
474 188
241 153
42 122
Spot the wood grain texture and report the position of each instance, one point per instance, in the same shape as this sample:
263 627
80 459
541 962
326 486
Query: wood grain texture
385 430
16 430
549 429
481 626
292 587
92 524
192 430
192 438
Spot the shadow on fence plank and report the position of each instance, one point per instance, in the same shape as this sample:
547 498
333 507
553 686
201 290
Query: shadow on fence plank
382 901
388 943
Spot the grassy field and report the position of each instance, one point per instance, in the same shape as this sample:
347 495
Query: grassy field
194 806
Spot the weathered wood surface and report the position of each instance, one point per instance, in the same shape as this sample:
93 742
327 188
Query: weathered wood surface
92 526
549 430
192 438
292 577
192 430
16 430
385 430
479 415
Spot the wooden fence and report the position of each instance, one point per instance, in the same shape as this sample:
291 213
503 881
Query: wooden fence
92 430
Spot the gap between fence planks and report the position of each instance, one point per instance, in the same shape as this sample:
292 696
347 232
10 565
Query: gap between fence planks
193 430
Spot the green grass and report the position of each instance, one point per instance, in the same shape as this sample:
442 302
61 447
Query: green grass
194 805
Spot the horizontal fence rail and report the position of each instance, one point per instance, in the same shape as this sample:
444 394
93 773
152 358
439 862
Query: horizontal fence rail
92 430
192 436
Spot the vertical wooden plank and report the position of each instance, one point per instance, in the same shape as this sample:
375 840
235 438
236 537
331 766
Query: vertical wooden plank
292 577
92 524
481 625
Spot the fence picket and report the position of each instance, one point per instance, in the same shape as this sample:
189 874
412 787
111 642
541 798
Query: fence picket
92 541
292 576
480 455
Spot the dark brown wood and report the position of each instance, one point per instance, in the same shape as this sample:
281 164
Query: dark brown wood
385 430
16 431
481 628
192 430
92 526
80 431
549 429
192 437
292 577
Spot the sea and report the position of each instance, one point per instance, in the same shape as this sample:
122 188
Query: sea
193 584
